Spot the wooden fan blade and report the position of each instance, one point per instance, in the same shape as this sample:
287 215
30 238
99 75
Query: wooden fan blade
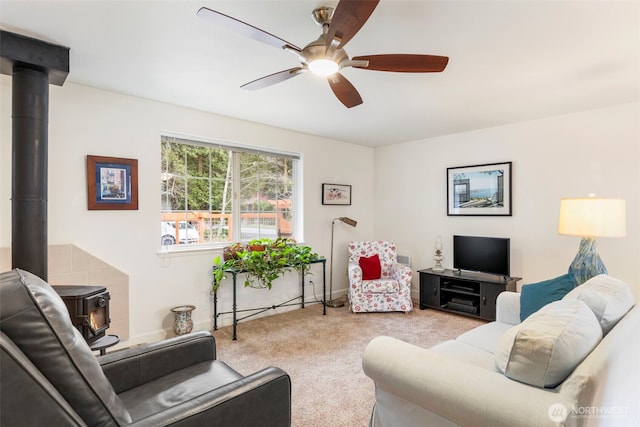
404 63
344 90
272 79
348 17
243 28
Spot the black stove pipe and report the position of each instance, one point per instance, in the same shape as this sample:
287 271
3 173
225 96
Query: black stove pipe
30 111
33 65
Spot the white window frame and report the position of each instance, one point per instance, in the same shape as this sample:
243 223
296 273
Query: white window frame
297 202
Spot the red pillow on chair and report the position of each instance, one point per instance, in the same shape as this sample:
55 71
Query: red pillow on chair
370 266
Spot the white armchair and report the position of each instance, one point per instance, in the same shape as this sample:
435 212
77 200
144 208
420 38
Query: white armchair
391 291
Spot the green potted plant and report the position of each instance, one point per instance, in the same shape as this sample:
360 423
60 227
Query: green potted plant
261 269
265 265
232 251
258 245
220 267
282 242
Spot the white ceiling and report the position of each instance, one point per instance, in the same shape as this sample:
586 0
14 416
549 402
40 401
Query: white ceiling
509 60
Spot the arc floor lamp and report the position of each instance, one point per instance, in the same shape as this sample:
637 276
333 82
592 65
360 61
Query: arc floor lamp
353 223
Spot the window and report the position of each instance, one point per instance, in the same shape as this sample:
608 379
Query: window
215 193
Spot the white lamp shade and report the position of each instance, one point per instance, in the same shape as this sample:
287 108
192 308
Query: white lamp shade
592 217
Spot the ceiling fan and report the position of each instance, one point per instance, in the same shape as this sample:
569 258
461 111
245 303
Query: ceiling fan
325 56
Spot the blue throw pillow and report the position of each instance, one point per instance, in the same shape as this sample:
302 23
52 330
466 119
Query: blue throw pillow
536 295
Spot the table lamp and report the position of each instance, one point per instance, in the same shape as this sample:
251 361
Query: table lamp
590 217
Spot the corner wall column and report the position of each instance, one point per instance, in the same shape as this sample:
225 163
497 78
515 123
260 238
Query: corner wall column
30 111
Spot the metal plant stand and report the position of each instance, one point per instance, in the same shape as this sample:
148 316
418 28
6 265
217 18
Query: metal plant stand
258 310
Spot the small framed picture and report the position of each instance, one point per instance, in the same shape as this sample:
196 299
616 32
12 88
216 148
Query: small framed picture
112 183
336 194
480 190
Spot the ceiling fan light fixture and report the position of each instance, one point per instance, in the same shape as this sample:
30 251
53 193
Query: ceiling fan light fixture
326 56
323 67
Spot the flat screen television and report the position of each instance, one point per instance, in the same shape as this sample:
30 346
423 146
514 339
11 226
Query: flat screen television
482 254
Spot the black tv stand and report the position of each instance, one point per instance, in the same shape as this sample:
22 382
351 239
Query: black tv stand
467 293
480 275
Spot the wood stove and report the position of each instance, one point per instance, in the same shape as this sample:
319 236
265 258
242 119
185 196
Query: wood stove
89 309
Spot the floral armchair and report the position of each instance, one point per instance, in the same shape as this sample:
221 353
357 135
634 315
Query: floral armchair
386 287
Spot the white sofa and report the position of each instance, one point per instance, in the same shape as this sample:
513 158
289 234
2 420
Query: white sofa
458 382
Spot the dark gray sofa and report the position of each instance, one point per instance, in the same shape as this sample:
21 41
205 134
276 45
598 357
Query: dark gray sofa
50 376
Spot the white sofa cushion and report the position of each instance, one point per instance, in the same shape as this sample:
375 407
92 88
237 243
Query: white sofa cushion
544 349
609 299
485 337
466 353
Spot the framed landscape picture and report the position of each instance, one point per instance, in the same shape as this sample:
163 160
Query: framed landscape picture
112 183
336 194
479 190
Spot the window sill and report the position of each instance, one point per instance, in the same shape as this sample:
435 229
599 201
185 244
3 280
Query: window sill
188 250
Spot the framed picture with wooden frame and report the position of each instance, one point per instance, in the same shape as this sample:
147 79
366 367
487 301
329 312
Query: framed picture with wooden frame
112 183
480 190
336 194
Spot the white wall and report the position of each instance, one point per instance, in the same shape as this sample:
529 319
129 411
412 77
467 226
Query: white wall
565 156
84 120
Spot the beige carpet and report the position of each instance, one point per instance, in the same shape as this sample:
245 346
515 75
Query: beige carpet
323 355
